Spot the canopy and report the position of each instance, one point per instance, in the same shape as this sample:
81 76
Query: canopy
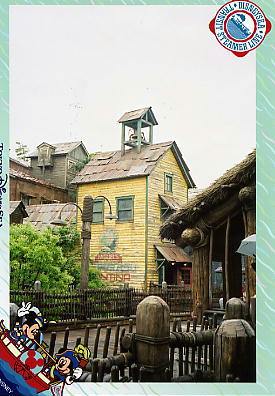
173 253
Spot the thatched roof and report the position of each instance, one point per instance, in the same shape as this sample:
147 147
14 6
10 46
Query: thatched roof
221 190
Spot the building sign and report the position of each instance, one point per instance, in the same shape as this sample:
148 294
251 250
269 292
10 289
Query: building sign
108 241
106 257
115 267
115 276
109 262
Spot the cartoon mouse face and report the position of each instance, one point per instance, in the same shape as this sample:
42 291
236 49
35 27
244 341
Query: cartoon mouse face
30 331
64 365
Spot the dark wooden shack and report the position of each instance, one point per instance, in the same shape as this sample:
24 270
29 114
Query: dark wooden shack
214 222
17 212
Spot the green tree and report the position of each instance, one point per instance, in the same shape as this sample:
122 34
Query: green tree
21 151
70 242
80 164
36 255
52 256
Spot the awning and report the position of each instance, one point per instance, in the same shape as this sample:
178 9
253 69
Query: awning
173 203
173 253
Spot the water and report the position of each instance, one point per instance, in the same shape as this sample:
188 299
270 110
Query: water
235 31
12 383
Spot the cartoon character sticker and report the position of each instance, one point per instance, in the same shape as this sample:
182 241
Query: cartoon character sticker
24 356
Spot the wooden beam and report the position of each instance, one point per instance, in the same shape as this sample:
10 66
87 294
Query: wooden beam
224 210
151 134
146 122
139 136
226 256
210 266
123 139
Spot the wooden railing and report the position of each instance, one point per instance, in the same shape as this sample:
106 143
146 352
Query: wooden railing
99 303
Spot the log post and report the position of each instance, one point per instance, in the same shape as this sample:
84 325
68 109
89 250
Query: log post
37 285
200 281
210 266
252 311
198 239
152 338
247 196
87 218
234 345
226 259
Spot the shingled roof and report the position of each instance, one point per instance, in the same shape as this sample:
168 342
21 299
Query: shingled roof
137 114
18 205
241 175
112 165
25 176
61 148
41 215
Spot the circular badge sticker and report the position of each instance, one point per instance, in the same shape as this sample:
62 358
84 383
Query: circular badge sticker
240 26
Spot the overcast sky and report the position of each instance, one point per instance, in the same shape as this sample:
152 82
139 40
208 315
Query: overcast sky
74 70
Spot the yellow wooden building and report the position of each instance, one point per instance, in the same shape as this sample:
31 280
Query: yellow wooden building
144 184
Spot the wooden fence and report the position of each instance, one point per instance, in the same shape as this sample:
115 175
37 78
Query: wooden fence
107 342
79 305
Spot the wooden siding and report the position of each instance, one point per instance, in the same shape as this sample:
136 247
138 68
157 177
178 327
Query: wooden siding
167 164
124 260
55 174
59 174
78 154
38 192
131 236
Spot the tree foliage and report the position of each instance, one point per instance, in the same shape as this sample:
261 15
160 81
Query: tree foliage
80 164
21 151
52 256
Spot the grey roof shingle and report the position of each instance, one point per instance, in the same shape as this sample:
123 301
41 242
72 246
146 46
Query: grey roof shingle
132 164
41 215
61 148
25 176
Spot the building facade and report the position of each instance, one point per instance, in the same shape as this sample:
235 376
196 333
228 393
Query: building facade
214 223
55 163
143 184
30 190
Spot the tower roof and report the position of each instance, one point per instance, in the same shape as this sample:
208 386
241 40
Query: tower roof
134 115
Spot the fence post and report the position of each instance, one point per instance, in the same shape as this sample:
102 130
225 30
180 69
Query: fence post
234 345
37 285
152 338
164 285
127 311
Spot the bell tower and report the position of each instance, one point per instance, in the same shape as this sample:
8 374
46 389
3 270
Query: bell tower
136 121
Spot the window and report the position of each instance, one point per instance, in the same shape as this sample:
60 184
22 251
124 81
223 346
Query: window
26 199
168 183
98 211
125 208
186 276
71 165
165 210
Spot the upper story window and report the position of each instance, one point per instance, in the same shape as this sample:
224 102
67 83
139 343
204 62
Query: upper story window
26 199
125 208
98 211
71 165
168 183
165 210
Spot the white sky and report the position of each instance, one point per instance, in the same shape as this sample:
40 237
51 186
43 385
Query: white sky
74 70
